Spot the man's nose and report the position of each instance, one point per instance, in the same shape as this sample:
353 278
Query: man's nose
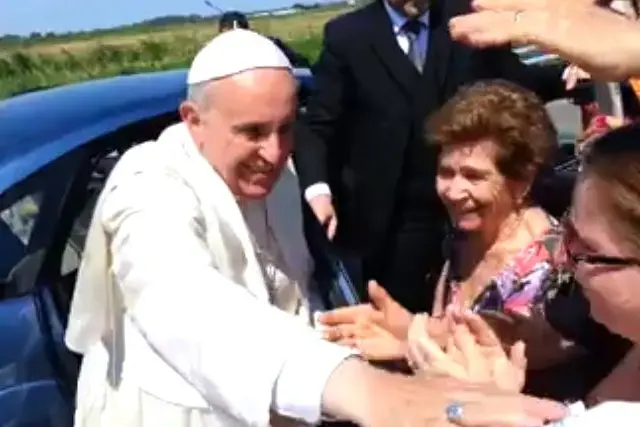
272 148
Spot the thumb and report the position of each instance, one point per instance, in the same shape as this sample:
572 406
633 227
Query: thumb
332 226
378 295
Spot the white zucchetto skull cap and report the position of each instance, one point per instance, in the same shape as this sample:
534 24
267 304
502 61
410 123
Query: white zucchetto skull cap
233 52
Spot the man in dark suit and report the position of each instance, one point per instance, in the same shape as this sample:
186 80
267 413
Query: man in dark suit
360 153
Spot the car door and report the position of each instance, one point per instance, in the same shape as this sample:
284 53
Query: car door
36 389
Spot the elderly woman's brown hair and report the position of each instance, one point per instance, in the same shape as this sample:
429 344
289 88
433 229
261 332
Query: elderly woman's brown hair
511 116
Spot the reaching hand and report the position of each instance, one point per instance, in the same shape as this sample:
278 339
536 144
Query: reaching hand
383 311
378 329
371 340
573 29
415 401
473 353
322 207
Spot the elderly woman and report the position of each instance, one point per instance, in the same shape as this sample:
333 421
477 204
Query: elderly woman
602 246
495 138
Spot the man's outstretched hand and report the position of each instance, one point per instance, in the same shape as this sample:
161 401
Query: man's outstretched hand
393 400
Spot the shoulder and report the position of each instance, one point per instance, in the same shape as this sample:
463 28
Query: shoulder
146 179
351 23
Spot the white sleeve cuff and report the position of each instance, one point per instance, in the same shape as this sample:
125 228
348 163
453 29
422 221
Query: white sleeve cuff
301 383
318 189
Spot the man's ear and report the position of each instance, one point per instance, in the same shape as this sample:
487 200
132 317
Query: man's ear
189 114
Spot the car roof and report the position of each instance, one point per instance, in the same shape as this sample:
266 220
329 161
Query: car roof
39 127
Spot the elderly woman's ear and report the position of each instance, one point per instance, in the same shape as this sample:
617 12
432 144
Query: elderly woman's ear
521 189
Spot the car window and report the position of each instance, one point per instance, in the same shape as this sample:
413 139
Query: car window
21 216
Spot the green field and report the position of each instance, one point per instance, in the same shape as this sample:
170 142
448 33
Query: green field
32 65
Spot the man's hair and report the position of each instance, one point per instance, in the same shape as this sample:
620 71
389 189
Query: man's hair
200 94
514 118
232 20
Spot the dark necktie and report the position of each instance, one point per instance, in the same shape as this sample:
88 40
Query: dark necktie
412 29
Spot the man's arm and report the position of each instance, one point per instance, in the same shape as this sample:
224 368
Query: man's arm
297 60
241 354
316 131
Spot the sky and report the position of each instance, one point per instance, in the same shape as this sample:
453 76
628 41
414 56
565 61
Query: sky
25 16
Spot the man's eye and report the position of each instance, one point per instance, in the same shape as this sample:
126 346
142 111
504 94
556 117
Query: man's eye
253 133
286 128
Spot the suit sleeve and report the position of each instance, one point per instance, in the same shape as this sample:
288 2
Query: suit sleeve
296 59
316 131
212 331
546 81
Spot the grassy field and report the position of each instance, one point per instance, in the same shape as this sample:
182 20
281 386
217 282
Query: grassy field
36 65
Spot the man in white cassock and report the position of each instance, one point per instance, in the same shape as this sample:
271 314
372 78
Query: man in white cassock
192 305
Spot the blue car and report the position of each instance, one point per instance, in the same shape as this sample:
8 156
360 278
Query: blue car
56 149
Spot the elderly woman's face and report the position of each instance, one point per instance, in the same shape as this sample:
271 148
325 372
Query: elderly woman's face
613 291
475 193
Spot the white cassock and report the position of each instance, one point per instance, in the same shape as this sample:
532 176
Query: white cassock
184 314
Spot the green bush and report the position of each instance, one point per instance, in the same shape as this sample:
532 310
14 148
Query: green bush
23 71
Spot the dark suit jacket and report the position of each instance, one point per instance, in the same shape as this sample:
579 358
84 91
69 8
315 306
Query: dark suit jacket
369 103
297 60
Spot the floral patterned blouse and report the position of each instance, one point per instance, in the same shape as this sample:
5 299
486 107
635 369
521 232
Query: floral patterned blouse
525 282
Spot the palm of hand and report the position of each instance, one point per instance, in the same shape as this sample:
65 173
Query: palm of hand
376 343
395 319
471 353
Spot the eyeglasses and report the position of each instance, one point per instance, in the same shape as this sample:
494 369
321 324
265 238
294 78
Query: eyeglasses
571 237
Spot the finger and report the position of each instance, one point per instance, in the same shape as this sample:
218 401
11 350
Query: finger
332 226
382 348
517 355
349 342
509 5
428 355
453 352
571 79
544 409
379 297
340 332
332 334
420 345
350 314
507 411
483 333
471 353
486 28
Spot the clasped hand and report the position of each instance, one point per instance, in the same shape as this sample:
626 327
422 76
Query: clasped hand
472 352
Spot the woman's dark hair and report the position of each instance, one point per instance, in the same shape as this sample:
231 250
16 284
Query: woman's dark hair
511 116
613 161
233 19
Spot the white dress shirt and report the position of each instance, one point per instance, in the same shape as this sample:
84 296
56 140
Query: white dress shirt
397 22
